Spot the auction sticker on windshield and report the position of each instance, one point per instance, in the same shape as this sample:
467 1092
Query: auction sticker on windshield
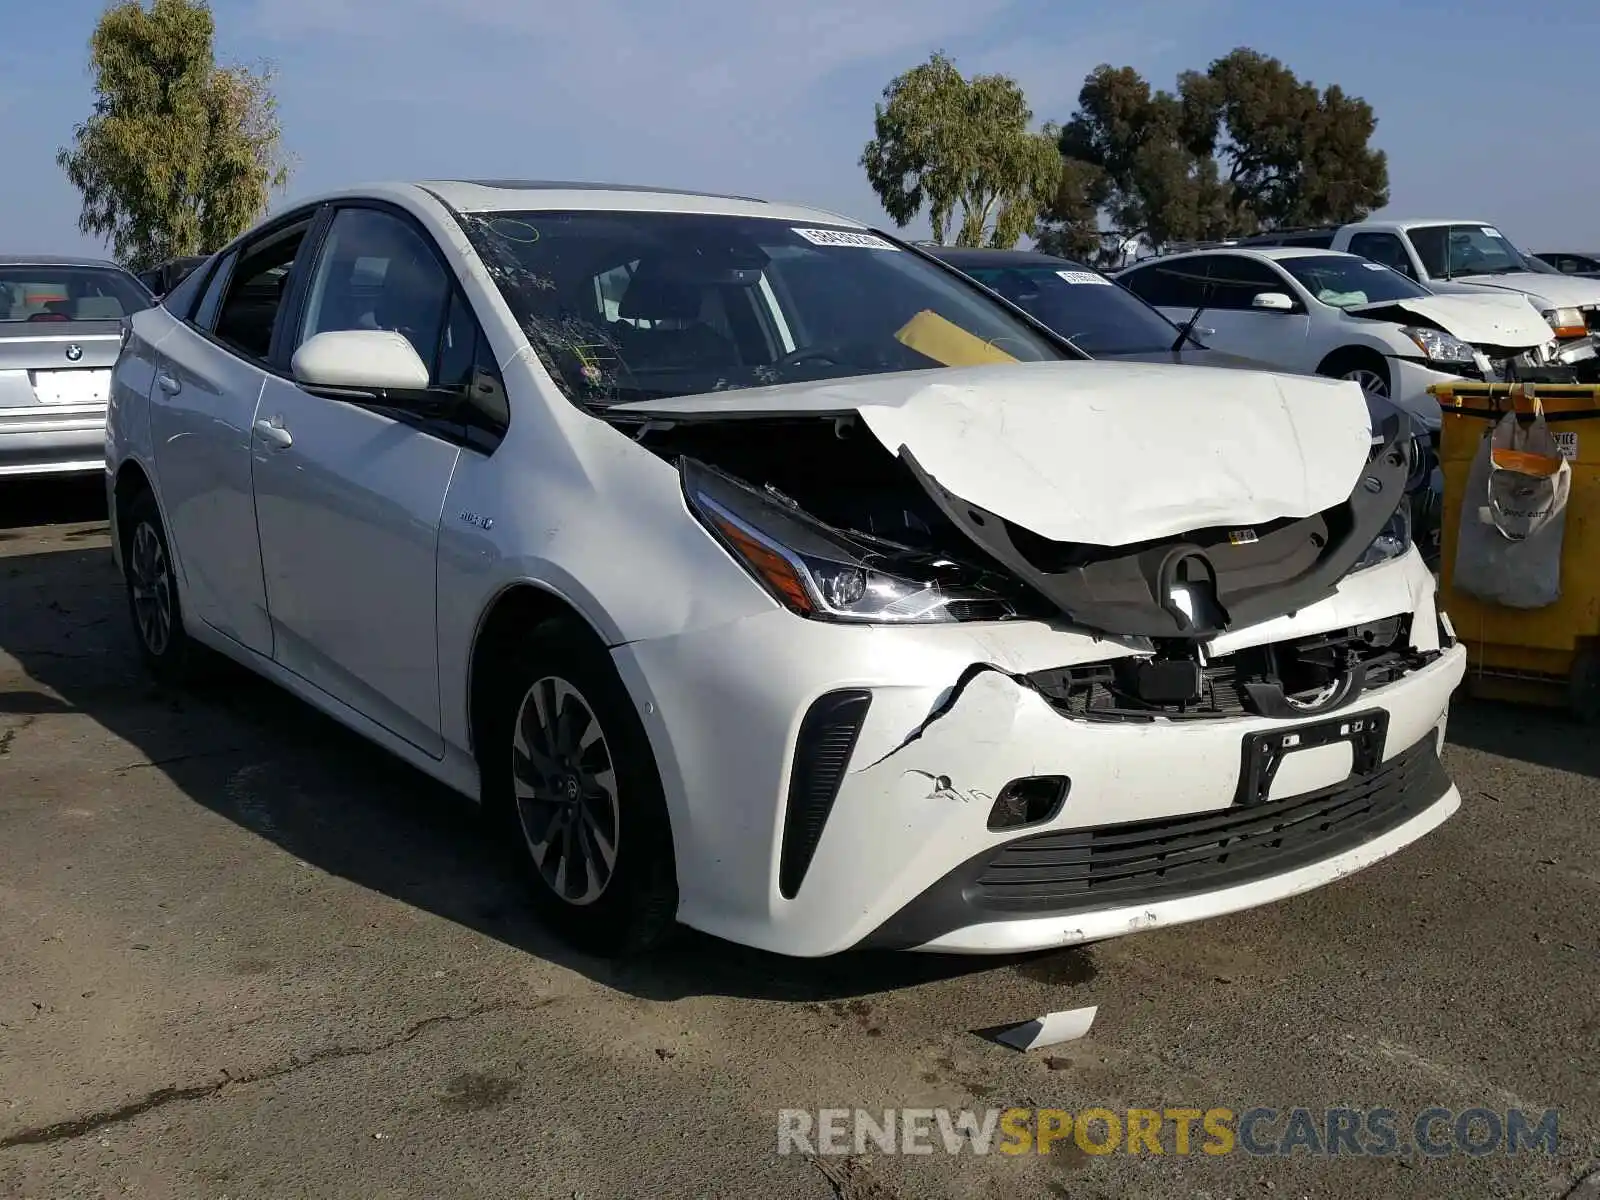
845 237
1083 277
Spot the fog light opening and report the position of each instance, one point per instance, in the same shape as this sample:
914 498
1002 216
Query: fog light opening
1029 801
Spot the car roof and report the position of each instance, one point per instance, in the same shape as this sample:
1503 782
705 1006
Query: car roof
512 195
55 260
1416 222
978 256
1270 253
1574 253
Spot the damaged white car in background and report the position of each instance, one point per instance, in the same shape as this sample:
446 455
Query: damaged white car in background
1341 315
765 575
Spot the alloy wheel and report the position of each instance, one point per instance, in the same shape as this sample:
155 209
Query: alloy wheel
151 584
566 790
1370 381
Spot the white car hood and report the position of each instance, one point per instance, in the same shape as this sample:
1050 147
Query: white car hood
1102 453
1559 291
1486 319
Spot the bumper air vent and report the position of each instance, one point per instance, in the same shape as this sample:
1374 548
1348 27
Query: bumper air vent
822 751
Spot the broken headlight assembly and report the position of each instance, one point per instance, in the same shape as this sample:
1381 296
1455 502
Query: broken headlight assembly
1392 541
1566 322
1440 347
826 574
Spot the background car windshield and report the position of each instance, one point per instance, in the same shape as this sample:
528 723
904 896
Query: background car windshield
1082 305
46 293
1448 250
628 306
1345 282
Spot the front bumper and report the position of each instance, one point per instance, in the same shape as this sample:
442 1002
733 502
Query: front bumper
50 440
724 708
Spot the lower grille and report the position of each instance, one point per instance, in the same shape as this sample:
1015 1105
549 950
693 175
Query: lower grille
822 750
1137 862
1303 666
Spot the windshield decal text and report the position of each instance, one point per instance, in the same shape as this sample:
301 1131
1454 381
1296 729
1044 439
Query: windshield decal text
1083 277
845 237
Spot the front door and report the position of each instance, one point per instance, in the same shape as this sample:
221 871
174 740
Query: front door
349 499
1277 337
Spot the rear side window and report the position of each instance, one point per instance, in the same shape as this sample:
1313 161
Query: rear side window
45 293
206 316
1383 248
1180 284
181 299
254 293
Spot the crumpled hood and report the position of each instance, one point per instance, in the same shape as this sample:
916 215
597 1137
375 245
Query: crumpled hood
1103 453
1554 291
1486 319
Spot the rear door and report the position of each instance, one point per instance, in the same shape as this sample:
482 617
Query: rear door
1176 288
209 378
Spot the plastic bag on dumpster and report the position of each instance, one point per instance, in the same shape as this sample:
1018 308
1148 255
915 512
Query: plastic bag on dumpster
1514 516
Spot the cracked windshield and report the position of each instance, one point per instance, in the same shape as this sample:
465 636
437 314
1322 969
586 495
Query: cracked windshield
636 306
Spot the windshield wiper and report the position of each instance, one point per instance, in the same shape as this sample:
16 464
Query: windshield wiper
1186 330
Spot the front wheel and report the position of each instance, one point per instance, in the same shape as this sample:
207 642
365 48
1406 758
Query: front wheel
568 770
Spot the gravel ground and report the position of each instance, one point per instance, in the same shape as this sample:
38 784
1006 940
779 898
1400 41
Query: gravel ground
243 954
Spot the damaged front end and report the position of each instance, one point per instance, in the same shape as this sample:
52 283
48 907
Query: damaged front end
835 528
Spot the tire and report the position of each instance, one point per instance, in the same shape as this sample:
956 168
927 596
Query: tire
152 587
1359 366
1583 686
562 809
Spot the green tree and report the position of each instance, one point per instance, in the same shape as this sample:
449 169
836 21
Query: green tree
179 155
1242 146
1293 155
944 142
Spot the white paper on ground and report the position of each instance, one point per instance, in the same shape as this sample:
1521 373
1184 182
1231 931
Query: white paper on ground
1051 1029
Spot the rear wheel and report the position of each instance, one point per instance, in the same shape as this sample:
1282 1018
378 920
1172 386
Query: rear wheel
153 590
567 770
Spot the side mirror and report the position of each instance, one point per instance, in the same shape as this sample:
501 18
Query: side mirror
360 360
1272 302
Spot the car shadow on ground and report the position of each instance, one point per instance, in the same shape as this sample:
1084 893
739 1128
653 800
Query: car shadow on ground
1546 737
66 499
250 752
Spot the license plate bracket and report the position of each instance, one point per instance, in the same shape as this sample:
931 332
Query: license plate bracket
1265 751
79 385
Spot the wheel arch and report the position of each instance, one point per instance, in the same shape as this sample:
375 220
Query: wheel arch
1350 356
131 478
516 607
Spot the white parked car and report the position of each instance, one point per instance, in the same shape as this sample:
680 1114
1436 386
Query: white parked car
1343 316
762 572
1460 257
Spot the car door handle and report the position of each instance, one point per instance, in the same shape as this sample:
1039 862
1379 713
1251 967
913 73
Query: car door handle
274 434
168 384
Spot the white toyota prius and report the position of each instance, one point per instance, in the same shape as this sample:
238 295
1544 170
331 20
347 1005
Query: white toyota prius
766 575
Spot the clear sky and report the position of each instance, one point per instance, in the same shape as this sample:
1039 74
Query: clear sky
1489 110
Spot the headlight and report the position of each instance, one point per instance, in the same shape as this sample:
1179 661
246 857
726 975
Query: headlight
824 573
1392 541
1440 347
1567 322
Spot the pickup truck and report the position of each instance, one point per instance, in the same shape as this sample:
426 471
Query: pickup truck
1463 256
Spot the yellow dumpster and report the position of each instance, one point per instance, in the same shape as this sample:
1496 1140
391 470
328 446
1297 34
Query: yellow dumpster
1546 655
